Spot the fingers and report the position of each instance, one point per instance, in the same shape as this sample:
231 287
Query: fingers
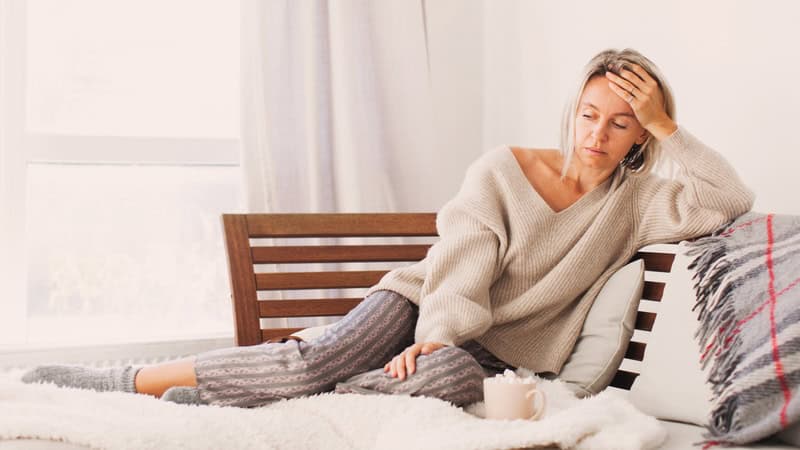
649 81
411 359
406 362
623 94
393 366
636 76
633 83
627 86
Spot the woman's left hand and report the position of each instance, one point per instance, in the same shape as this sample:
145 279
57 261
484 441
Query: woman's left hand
641 91
406 361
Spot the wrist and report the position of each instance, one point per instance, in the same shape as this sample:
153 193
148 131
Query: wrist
663 129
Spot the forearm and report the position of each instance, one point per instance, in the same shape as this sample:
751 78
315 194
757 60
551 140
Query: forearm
707 193
705 172
664 129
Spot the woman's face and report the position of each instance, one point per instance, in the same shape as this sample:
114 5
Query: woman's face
605 126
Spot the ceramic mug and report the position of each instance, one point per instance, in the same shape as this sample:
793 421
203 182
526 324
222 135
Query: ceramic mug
512 400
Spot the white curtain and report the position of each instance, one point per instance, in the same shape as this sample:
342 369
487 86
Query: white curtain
336 109
336 96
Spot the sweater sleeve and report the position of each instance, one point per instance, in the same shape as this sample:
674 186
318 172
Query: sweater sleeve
463 264
706 194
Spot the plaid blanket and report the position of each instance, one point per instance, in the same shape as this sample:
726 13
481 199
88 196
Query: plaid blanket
748 304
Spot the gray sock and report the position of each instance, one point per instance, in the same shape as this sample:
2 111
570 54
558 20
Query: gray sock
105 379
183 394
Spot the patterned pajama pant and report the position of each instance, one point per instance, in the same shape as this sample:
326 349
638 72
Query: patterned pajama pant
348 357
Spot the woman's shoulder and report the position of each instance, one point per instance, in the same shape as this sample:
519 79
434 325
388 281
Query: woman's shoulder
535 159
504 160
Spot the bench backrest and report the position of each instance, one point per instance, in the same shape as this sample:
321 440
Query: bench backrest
248 254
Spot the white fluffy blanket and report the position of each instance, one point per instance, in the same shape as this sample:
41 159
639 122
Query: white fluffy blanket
114 420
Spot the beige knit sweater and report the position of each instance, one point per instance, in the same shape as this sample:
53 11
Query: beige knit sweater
520 278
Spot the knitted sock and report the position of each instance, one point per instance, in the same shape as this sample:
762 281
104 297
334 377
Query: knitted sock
106 379
183 394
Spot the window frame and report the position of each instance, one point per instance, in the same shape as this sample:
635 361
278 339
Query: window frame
20 147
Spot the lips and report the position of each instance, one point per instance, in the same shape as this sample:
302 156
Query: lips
594 150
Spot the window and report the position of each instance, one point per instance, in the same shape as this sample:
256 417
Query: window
119 148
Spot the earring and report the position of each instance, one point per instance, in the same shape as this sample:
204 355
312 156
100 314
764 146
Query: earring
634 160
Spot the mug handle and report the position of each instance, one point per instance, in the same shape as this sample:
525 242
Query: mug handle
531 396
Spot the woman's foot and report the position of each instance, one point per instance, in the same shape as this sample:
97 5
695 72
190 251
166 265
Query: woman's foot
106 379
184 395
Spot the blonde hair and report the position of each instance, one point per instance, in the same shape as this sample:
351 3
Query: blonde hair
613 61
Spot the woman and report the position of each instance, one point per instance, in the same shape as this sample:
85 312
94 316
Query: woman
524 248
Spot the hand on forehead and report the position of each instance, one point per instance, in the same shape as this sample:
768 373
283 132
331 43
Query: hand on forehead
598 95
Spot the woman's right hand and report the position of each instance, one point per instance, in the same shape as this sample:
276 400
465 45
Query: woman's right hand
406 361
636 87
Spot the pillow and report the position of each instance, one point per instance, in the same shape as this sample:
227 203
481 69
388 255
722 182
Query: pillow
604 338
671 384
606 332
672 354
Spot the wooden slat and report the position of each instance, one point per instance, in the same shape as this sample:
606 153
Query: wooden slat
338 253
269 333
645 321
341 225
656 262
318 280
624 379
653 290
243 291
307 307
635 351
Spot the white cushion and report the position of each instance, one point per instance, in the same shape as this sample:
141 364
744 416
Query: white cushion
604 338
671 384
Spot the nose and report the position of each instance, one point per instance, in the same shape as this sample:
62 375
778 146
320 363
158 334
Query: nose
599 132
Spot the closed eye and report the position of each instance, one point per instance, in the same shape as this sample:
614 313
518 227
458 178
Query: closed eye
617 125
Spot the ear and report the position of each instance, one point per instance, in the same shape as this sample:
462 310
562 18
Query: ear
642 137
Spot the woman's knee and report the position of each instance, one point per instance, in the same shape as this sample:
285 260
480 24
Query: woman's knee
380 327
450 374
450 360
398 307
454 375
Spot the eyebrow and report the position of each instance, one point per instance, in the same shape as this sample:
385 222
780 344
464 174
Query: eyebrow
627 114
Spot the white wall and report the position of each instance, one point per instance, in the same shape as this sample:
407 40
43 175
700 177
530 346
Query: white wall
734 68
455 44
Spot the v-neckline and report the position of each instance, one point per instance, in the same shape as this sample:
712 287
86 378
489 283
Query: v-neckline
601 188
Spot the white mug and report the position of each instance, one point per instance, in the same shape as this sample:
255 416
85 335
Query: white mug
512 400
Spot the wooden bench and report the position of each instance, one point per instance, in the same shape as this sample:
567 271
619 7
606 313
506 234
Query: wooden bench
381 239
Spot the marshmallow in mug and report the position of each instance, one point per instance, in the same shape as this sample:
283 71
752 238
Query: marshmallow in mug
509 376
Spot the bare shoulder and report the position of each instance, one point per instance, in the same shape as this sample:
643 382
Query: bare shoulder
535 159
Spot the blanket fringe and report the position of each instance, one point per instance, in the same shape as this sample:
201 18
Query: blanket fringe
722 417
717 316
716 334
